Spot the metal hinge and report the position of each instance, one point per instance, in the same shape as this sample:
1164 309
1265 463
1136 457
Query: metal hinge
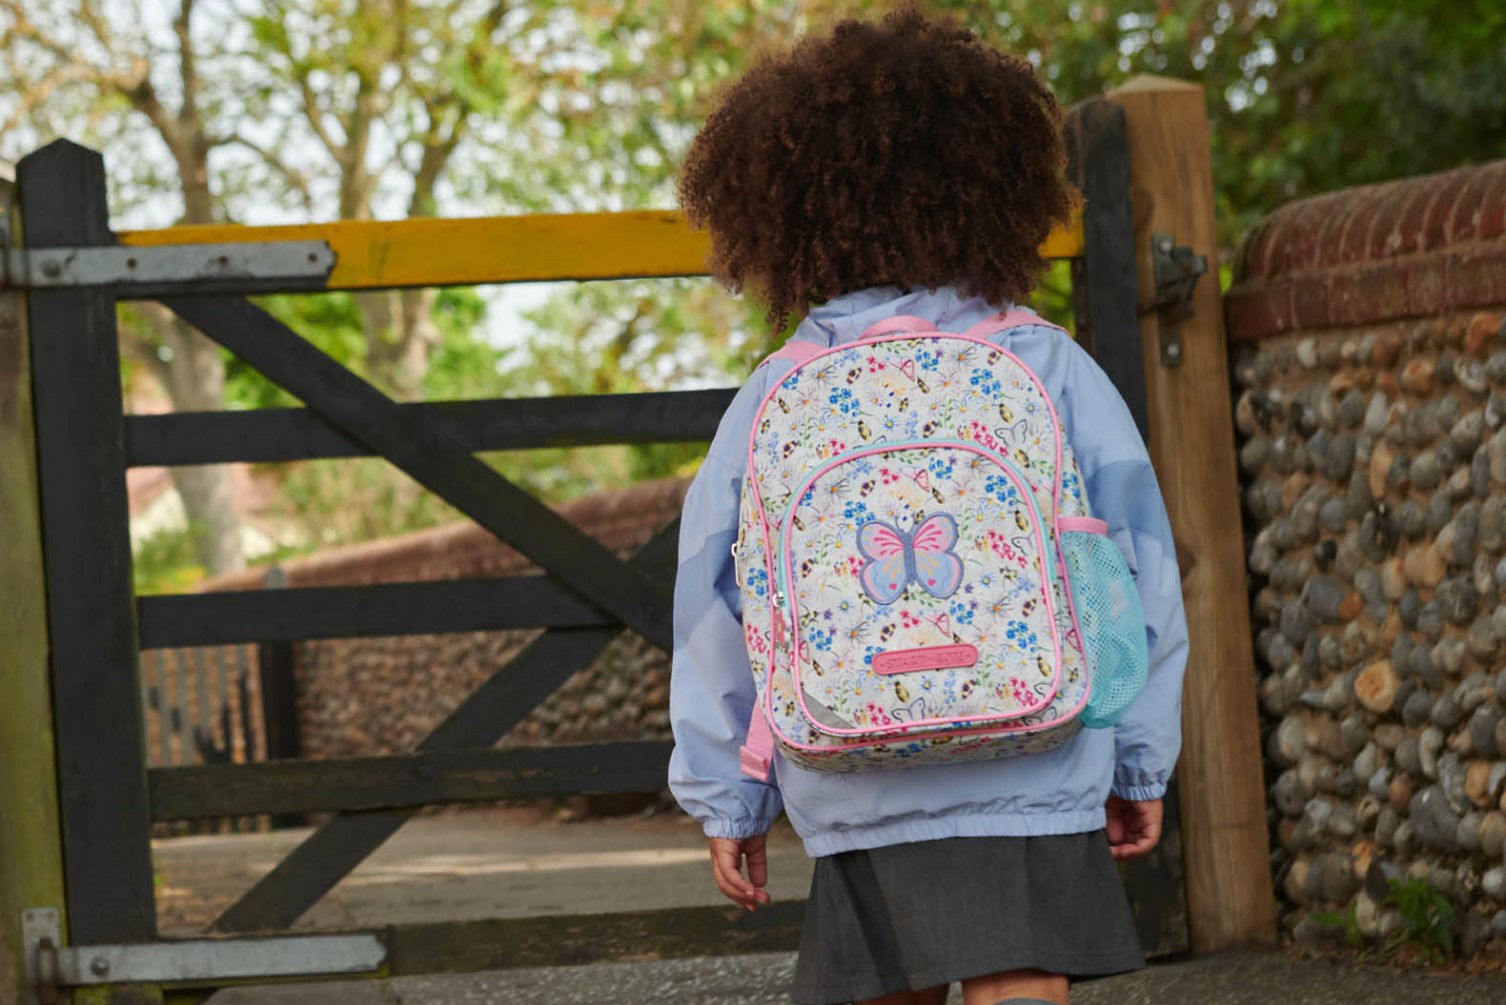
53 967
65 268
1177 271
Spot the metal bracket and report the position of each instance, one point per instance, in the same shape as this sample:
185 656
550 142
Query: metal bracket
52 966
41 934
54 268
1177 271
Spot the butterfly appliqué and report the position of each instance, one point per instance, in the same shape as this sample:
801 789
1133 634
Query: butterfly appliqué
894 558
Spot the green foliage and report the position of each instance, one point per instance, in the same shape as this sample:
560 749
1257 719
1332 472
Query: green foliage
1428 916
166 562
329 320
1346 921
344 502
1427 921
321 108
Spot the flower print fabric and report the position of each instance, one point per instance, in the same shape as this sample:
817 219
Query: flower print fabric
904 511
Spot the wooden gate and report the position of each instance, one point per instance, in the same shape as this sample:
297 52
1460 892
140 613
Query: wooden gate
92 924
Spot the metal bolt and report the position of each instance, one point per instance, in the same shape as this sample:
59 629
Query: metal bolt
1173 350
52 268
99 966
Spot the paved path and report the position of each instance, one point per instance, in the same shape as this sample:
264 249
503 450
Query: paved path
761 980
462 867
519 863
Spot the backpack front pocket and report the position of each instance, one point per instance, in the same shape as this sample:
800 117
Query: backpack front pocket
1110 621
916 581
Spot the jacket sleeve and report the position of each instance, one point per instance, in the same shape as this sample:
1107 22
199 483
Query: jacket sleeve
711 684
1122 491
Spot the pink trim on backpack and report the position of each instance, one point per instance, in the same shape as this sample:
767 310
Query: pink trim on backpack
1082 524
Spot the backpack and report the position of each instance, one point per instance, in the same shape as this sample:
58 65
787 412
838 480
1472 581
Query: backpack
921 579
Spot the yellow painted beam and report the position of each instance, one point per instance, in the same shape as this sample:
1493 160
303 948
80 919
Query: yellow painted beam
374 254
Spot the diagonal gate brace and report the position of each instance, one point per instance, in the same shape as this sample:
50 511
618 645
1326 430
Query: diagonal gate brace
329 854
433 454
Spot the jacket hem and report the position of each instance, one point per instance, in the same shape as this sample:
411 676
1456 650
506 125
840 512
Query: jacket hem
977 825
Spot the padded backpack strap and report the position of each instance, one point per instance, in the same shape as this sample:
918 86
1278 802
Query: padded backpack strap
757 755
896 325
797 351
1015 317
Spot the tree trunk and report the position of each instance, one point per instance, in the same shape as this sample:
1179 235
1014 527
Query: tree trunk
400 334
196 383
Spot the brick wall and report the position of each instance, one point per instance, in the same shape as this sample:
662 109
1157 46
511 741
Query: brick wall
1369 352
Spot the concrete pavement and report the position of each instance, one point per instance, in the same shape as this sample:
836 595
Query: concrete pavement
524 863
1264 979
509 863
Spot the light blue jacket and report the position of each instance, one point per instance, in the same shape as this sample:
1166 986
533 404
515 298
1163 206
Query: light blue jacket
1059 792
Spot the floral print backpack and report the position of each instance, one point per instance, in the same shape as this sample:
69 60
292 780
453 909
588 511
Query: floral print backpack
921 579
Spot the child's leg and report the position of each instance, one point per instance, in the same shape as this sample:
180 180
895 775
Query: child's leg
1026 985
930 996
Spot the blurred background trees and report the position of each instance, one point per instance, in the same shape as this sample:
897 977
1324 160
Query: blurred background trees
286 110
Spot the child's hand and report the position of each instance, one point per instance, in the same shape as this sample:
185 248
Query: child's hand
727 857
1134 828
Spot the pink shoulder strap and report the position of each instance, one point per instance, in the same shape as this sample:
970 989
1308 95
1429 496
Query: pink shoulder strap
895 325
757 755
797 351
1012 318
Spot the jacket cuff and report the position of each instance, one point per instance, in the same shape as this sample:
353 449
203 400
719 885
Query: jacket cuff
1140 793
734 830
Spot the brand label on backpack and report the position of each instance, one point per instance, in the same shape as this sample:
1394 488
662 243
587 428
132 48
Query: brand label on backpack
932 658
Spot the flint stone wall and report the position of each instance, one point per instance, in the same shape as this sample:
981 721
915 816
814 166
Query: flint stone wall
1369 352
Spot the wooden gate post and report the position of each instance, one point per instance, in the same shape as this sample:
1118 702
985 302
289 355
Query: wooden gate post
31 841
91 623
1223 811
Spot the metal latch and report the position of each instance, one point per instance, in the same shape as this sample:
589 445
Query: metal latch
52 966
1177 271
114 265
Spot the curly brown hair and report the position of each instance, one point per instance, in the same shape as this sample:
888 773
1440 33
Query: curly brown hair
901 152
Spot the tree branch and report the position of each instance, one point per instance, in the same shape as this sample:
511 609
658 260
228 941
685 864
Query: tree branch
23 27
439 147
188 71
315 117
59 77
296 179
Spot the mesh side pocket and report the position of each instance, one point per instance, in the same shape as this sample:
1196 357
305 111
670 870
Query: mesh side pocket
1111 623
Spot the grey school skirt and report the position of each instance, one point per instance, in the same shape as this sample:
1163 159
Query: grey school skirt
920 915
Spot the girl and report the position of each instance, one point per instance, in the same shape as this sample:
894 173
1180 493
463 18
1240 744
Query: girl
904 168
